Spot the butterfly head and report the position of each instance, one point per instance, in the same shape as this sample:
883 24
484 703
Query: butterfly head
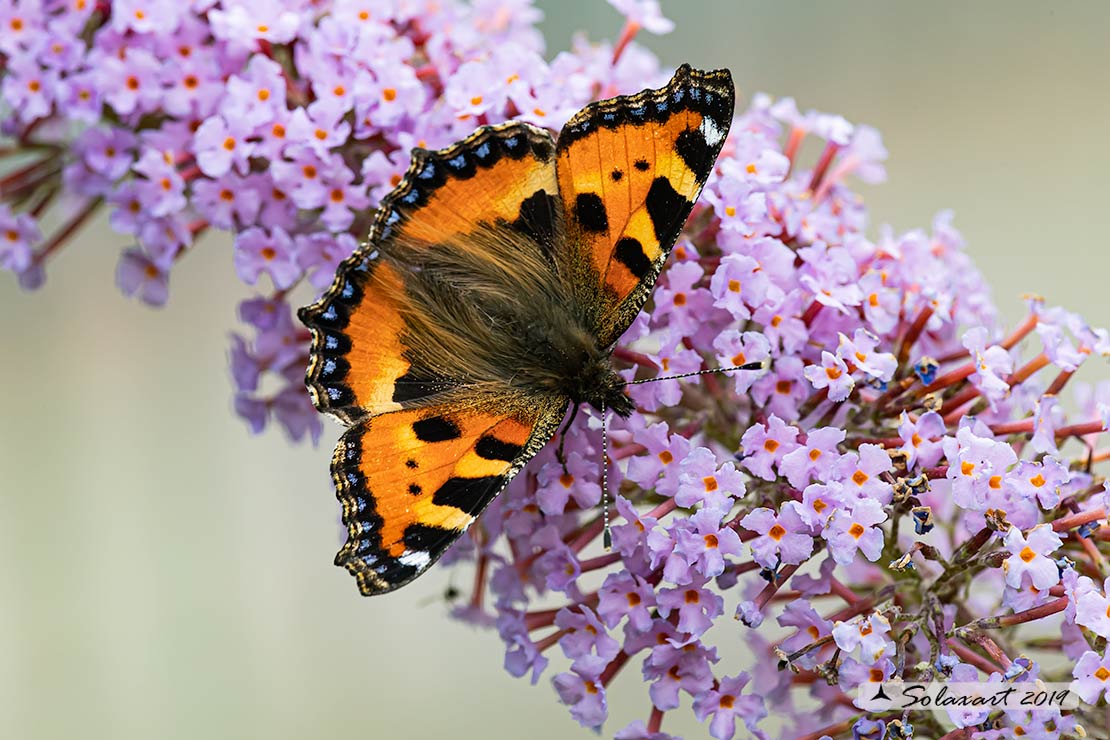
600 386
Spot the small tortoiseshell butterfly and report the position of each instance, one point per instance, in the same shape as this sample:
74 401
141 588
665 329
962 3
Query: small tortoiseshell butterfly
488 296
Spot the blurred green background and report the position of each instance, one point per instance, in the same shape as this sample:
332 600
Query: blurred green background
165 575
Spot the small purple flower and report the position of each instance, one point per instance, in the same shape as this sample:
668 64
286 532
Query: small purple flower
871 634
819 503
705 546
228 202
811 627
725 703
701 481
1093 611
29 88
163 191
585 695
736 348
765 446
781 536
860 351
696 605
738 283
861 473
558 484
139 275
992 365
521 655
1047 417
833 374
17 233
1031 555
676 664
626 595
1039 481
586 642
922 439
1092 676
814 459
130 84
977 466
854 529
220 146
665 452
257 252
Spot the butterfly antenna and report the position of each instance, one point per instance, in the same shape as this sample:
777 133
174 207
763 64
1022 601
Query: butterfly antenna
606 537
763 365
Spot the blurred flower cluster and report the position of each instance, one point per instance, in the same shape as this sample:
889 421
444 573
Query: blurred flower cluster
890 499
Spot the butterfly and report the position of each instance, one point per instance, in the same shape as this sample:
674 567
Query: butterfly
487 298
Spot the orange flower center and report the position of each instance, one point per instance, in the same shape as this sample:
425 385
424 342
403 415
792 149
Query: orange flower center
776 532
856 530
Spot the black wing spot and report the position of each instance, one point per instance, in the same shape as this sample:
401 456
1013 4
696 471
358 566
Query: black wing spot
694 150
415 489
436 429
492 448
630 253
468 494
537 218
410 386
642 165
668 209
616 175
422 537
410 463
589 211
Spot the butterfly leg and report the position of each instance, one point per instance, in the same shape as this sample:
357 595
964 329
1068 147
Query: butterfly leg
563 438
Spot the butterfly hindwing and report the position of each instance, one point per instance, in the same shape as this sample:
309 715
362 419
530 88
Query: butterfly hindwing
411 481
630 169
500 178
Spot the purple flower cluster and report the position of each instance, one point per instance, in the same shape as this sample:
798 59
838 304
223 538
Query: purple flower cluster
282 122
898 447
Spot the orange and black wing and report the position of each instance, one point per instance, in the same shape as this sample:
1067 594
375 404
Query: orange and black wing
412 481
429 447
501 178
630 169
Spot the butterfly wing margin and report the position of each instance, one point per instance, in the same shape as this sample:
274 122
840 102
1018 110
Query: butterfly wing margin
412 481
630 169
499 177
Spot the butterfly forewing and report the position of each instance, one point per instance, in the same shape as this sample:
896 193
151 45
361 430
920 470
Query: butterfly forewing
630 169
501 177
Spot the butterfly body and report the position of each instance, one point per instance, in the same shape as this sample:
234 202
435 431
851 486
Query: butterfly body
487 299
